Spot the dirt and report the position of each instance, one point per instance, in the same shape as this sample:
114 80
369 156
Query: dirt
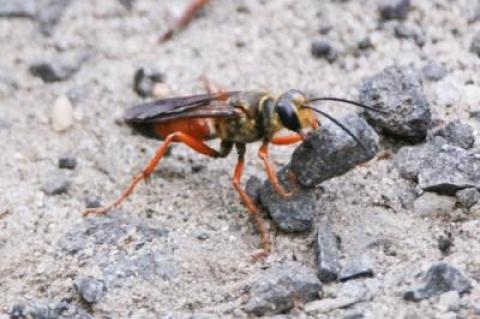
209 240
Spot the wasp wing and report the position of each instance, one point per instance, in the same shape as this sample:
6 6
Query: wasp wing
194 106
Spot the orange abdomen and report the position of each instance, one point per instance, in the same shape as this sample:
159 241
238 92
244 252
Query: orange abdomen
200 129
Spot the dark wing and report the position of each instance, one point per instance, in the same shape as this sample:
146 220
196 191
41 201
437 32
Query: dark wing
194 106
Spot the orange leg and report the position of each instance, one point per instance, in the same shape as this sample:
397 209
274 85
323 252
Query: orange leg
272 175
250 205
189 13
286 140
196 145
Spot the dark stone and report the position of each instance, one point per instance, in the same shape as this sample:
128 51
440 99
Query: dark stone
445 243
47 310
475 45
50 14
365 44
91 290
330 151
327 253
18 8
434 71
128 4
439 167
145 79
458 133
440 278
399 91
394 9
410 31
92 201
67 161
56 185
59 68
468 197
323 49
253 187
291 214
357 267
278 289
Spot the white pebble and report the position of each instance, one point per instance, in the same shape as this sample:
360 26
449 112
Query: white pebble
62 114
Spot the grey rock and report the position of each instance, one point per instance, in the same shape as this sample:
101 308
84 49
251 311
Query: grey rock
291 214
397 90
253 187
59 68
331 152
49 15
327 254
67 161
365 43
91 290
445 243
128 4
440 278
4 124
357 267
146 267
433 205
323 49
433 71
204 316
458 133
280 287
18 8
56 185
393 9
47 310
439 167
410 31
145 79
78 93
468 197
475 45
92 201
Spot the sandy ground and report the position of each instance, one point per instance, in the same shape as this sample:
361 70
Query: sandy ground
208 237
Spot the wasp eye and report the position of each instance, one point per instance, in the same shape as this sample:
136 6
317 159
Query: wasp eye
288 116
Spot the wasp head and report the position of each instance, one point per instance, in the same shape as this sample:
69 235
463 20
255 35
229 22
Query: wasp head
291 110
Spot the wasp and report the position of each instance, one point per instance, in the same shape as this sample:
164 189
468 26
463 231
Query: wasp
236 118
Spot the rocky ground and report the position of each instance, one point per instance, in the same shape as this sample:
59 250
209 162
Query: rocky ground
396 237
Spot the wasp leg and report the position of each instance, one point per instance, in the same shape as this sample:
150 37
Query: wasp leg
272 175
286 140
187 15
196 145
250 205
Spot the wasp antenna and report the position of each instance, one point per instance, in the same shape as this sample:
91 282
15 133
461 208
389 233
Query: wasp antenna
349 102
343 127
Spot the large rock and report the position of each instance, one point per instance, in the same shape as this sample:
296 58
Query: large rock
331 152
399 91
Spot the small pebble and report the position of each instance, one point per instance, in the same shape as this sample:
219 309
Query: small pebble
61 115
475 45
468 197
458 133
56 185
91 290
59 68
145 82
323 49
49 15
440 278
432 205
410 31
18 8
357 267
434 71
67 162
394 9
327 254
160 90
92 201
365 43
445 244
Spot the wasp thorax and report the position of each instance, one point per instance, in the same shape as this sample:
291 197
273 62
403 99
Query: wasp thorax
289 107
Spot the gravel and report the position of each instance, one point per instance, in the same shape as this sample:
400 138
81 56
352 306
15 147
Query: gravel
432 205
67 162
433 71
145 79
440 278
91 290
327 253
394 9
50 14
59 68
56 185
18 8
48 310
468 197
458 133
475 44
323 49
357 267
279 288
399 91
410 31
